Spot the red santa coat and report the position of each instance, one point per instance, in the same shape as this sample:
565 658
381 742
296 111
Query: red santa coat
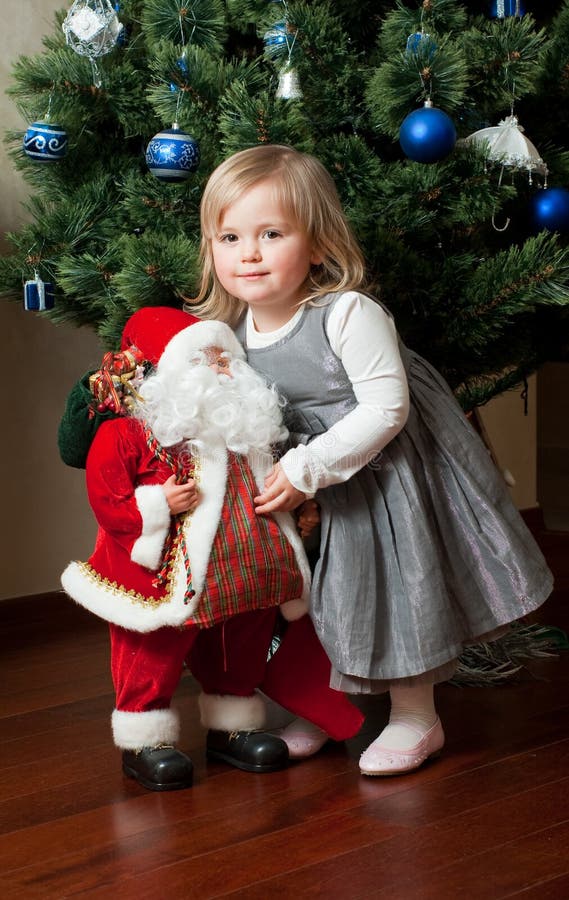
118 583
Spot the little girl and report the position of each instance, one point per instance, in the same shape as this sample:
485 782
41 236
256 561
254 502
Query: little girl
422 550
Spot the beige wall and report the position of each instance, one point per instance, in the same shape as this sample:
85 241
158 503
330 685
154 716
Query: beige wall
553 445
23 26
45 519
512 435
44 516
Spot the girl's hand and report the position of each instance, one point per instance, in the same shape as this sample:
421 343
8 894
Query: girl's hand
308 517
279 493
180 498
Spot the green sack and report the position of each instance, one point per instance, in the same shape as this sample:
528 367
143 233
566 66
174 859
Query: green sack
79 424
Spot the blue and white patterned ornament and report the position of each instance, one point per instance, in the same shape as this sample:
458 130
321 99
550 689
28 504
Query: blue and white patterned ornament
427 135
38 294
504 9
45 142
172 154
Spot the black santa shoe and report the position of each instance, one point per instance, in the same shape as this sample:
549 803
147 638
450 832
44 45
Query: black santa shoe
159 768
252 751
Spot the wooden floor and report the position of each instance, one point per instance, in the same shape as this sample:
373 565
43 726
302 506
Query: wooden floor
489 819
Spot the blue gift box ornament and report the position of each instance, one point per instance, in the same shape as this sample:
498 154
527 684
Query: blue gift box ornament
504 9
45 142
38 294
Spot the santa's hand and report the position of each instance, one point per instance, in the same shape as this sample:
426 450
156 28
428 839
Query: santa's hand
180 498
279 493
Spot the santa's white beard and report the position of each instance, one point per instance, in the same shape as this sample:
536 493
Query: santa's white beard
207 409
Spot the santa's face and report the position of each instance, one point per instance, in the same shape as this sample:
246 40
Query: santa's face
216 400
218 361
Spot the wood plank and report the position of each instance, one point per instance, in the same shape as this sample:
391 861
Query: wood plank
376 802
489 820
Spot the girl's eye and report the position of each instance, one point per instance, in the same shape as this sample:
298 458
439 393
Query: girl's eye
228 238
271 235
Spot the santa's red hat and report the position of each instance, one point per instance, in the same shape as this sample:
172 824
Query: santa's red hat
152 328
169 338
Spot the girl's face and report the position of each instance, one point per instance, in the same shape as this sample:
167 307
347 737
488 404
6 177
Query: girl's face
262 257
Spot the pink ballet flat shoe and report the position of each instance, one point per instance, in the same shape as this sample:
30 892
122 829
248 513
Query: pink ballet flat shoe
302 741
378 760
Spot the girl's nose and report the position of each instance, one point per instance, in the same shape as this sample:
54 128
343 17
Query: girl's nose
251 251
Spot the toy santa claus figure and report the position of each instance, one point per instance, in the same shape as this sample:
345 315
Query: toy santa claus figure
187 573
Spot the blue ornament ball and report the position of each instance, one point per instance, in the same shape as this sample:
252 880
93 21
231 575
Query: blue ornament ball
427 135
550 209
45 142
420 44
183 67
275 39
172 155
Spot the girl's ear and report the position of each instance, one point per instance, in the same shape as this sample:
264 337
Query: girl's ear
316 258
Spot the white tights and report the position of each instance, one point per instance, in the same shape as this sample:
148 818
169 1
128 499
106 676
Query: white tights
412 714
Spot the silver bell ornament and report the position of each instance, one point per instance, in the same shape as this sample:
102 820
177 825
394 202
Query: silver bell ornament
507 145
92 28
289 84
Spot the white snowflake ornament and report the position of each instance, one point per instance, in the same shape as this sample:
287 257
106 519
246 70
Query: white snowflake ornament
91 27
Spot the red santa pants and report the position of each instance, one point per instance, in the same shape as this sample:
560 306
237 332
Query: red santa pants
228 658
229 661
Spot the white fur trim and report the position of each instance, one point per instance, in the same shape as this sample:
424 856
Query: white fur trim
260 466
183 346
201 527
225 712
115 604
156 518
135 730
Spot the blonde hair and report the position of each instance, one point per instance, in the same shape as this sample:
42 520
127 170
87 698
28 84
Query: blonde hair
307 192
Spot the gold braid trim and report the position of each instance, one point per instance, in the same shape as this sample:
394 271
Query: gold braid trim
119 590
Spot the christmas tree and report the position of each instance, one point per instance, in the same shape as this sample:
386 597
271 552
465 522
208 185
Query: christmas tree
459 239
444 125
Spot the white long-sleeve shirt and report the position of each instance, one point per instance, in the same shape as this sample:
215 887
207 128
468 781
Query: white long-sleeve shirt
364 338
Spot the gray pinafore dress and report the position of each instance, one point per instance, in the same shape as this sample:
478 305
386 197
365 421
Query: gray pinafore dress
422 551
